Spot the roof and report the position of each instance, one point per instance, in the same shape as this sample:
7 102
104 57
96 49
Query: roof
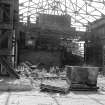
81 11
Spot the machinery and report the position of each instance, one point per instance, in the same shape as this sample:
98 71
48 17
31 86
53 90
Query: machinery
82 77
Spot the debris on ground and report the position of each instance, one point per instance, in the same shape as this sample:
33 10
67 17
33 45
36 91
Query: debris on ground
48 81
101 82
48 87
10 84
53 89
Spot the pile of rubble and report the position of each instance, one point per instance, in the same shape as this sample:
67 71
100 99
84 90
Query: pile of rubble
47 81
10 84
33 71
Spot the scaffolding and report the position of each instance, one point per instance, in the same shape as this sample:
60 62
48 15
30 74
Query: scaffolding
8 31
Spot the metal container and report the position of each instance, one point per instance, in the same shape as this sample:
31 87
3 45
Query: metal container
82 75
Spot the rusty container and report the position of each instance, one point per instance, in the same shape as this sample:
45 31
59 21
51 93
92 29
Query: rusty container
82 75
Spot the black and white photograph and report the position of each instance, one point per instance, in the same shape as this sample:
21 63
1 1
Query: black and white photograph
52 52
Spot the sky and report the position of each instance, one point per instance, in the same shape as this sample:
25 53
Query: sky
82 12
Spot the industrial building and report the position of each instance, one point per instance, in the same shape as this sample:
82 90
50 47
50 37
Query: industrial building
53 46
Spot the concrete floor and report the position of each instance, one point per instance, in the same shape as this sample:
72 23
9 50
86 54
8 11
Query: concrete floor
38 98
35 97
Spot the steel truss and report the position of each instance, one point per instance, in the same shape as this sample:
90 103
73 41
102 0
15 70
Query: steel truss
81 11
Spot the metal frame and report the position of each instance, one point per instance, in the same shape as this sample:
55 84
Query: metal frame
81 15
8 27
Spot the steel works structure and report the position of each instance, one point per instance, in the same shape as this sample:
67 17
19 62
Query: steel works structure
82 12
8 32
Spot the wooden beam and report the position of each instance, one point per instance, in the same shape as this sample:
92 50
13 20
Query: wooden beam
8 67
